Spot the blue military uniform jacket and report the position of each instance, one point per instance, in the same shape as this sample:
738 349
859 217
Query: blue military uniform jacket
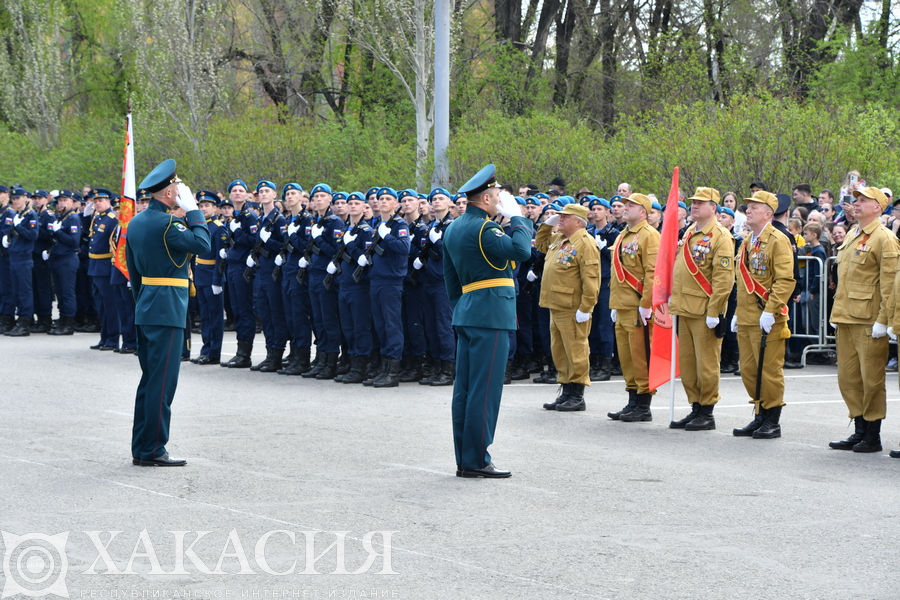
434 268
244 238
23 235
158 254
354 250
68 238
478 256
45 231
392 265
276 224
610 232
326 245
418 236
206 271
99 249
297 242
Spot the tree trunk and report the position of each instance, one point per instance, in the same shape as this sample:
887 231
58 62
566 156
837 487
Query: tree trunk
565 25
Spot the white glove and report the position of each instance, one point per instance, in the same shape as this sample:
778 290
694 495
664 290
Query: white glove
88 208
217 289
303 263
417 264
879 330
766 320
552 221
581 317
383 230
645 313
362 260
292 228
56 225
264 235
601 241
234 225
711 322
531 276
17 219
128 283
349 237
613 314
186 199
508 207
317 230
250 262
891 334
5 241
279 260
734 324
223 253
331 268
45 255
434 235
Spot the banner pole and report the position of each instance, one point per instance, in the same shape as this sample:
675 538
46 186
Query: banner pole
672 370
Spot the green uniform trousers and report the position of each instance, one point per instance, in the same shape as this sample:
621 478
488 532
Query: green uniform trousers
861 359
698 356
569 347
771 391
633 351
159 351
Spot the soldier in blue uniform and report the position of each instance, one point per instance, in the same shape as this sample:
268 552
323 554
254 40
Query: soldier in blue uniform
40 277
295 293
124 301
526 305
601 338
157 253
267 290
64 244
210 283
21 233
478 272
413 298
103 224
243 228
7 302
86 318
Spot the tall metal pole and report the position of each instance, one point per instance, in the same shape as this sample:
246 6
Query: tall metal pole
441 175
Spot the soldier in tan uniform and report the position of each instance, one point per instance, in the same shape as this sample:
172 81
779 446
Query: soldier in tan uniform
631 295
765 282
703 280
866 269
569 289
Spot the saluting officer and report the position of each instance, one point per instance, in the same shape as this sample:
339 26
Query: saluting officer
866 269
210 283
702 281
765 282
103 224
631 295
243 229
64 244
21 232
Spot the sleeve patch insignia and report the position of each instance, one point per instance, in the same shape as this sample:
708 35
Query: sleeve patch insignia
402 233
253 228
74 228
725 262
497 231
180 227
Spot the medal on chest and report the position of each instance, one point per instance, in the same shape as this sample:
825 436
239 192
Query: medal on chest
700 250
566 255
631 248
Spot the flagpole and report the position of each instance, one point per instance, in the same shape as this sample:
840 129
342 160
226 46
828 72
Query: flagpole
672 369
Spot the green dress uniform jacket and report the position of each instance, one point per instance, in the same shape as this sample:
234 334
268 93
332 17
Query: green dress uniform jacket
571 279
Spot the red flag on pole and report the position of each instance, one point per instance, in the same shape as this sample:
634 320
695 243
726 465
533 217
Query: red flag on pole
129 194
661 346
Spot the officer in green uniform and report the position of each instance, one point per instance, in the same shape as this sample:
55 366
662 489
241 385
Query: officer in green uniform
478 273
158 252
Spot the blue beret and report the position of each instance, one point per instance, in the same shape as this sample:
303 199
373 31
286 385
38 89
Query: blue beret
4 189
320 187
407 192
207 196
459 195
371 191
144 196
253 205
226 202
726 210
616 198
482 180
265 183
519 200
239 182
18 191
599 202
542 196
290 186
564 200
656 205
422 196
551 206
437 191
356 196
388 191
42 193
532 200
682 205
339 196
101 193
160 177
587 199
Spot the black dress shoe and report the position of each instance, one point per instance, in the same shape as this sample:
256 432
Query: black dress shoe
127 351
97 347
136 461
895 454
185 359
163 461
107 348
205 360
490 472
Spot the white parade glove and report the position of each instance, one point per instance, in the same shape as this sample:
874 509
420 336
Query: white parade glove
832 325
250 262
88 208
292 228
223 253
279 260
879 330
5 241
581 317
552 221
508 207
56 225
711 322
645 313
331 268
349 237
531 276
612 315
16 220
434 235
45 255
417 264
601 241
362 260
128 283
264 235
734 324
891 334
186 199
383 230
766 320
217 289
303 263
317 231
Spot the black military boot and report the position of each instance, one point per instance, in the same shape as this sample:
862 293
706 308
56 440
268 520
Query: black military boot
404 367
519 369
343 366
616 368
641 412
382 365
7 322
535 363
430 368
22 328
413 370
391 376
315 367
445 375
562 395
43 325
605 368
575 402
632 404
274 362
242 359
63 327
507 376
289 360
357 372
594 372
695 412
704 421
329 370
300 364
871 442
93 324
265 363
758 419
856 437
374 368
549 374
770 429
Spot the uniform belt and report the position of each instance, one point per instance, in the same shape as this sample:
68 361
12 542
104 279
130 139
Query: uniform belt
487 283
107 255
164 281
206 261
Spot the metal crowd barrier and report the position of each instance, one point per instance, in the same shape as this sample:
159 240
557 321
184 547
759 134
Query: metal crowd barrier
809 316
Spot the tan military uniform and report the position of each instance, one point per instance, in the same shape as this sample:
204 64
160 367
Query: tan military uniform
866 268
631 286
701 290
769 260
571 282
